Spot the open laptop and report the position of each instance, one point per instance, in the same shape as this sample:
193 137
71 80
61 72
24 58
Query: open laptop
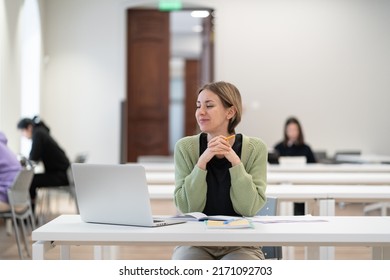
114 194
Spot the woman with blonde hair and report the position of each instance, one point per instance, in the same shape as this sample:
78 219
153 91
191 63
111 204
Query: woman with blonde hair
219 171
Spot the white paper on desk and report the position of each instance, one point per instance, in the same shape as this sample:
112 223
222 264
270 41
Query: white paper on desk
198 216
261 220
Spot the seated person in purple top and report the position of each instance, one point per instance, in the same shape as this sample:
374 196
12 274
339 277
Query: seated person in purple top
9 169
292 145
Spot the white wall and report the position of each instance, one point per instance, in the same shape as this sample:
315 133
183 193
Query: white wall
10 70
327 62
83 80
3 40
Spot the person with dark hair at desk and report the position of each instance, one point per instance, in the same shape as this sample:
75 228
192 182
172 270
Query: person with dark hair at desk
45 149
219 172
9 169
292 145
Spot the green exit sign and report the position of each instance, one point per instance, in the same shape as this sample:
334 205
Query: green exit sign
169 5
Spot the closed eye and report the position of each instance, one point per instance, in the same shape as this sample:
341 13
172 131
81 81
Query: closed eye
207 106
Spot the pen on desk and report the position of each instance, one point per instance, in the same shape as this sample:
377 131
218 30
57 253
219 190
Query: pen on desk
230 220
229 137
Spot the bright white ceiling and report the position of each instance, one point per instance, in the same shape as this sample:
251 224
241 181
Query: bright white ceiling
182 22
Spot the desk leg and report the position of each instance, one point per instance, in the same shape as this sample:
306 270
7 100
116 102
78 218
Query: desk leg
327 253
288 252
326 208
98 252
319 253
287 209
8 226
312 252
381 253
39 249
65 252
105 252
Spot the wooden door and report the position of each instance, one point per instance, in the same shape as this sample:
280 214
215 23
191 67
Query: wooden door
147 83
192 85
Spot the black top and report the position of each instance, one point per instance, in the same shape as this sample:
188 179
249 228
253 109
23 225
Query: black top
45 148
218 200
295 150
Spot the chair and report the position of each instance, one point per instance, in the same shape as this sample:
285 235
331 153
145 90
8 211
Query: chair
339 156
321 156
270 209
273 157
382 206
47 193
20 208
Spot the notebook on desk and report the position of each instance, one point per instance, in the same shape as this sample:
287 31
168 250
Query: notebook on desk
114 194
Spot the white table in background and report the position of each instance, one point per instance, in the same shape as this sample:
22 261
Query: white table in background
158 167
325 195
333 178
310 178
368 158
68 230
332 168
310 167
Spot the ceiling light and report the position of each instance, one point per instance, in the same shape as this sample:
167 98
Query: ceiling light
200 14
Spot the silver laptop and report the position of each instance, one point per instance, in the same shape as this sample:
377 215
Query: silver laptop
114 194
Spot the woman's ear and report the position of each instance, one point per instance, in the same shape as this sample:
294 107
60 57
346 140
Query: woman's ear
231 112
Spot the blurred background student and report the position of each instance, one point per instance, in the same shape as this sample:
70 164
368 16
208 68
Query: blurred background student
9 169
293 144
46 150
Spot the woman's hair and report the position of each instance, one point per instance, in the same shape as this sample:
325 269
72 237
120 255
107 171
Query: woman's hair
34 122
25 123
230 97
300 140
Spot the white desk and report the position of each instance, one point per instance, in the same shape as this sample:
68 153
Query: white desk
311 178
365 158
334 178
348 193
325 195
332 168
68 230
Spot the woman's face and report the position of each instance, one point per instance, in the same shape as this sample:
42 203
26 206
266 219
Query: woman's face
292 131
27 132
211 115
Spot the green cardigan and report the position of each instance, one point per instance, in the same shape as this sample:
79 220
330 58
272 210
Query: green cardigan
248 179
